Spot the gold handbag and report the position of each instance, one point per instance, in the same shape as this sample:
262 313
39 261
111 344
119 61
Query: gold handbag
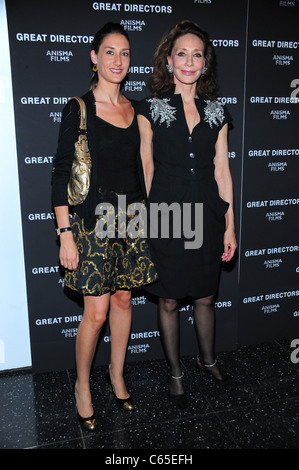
79 182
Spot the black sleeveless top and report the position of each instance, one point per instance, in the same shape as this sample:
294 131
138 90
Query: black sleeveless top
116 167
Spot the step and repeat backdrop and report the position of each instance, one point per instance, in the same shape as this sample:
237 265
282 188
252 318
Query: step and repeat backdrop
257 47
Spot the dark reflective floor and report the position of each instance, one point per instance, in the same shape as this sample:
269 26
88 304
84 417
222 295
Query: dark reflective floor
259 410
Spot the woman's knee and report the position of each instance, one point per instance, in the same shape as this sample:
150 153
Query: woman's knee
205 301
169 305
121 299
95 310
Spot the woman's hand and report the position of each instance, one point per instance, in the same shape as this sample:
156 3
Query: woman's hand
230 245
69 256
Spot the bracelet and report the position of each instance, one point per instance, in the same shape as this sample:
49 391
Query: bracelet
65 229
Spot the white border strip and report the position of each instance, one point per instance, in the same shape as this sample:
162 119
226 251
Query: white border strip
14 327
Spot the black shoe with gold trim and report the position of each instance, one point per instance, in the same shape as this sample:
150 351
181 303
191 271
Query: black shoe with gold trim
88 423
125 403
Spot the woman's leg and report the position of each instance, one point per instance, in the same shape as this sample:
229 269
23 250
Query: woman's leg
168 314
95 312
204 321
120 319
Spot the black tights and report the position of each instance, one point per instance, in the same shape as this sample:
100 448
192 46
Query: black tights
204 322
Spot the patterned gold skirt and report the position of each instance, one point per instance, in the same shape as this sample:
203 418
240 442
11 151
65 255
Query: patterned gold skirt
108 263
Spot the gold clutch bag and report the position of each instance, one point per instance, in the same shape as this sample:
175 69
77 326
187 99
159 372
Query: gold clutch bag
79 182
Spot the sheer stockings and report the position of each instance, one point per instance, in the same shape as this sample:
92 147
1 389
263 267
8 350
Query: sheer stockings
168 315
204 322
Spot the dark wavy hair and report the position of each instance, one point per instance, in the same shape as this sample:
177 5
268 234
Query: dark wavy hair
106 30
161 80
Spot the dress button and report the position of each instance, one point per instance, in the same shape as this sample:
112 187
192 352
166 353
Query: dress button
192 171
191 155
190 139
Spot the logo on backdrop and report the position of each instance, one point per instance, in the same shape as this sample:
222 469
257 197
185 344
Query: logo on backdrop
41 100
132 7
138 300
288 3
38 160
41 216
59 56
273 296
282 59
139 84
274 167
45 270
271 251
141 346
55 116
272 203
60 38
274 216
225 42
270 308
66 332
228 99
58 320
275 262
276 298
276 114
132 25
273 43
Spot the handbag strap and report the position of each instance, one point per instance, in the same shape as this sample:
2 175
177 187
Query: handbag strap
82 112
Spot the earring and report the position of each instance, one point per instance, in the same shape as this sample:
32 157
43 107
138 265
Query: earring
203 70
95 68
169 68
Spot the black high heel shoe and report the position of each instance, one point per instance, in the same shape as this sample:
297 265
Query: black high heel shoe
220 378
87 423
179 399
175 379
124 403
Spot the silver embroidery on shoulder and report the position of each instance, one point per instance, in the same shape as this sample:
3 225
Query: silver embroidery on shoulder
161 109
214 113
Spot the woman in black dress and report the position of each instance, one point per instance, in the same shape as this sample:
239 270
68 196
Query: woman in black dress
184 151
103 268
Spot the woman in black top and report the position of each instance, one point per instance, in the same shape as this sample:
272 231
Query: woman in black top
103 268
183 130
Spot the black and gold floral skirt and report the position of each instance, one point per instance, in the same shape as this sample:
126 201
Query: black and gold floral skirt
110 258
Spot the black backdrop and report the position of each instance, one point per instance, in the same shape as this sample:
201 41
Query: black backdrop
257 48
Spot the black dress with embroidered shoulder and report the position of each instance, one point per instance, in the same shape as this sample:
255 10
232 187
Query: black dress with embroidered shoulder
188 259
109 260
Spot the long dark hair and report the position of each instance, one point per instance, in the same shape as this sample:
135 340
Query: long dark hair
162 80
106 30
